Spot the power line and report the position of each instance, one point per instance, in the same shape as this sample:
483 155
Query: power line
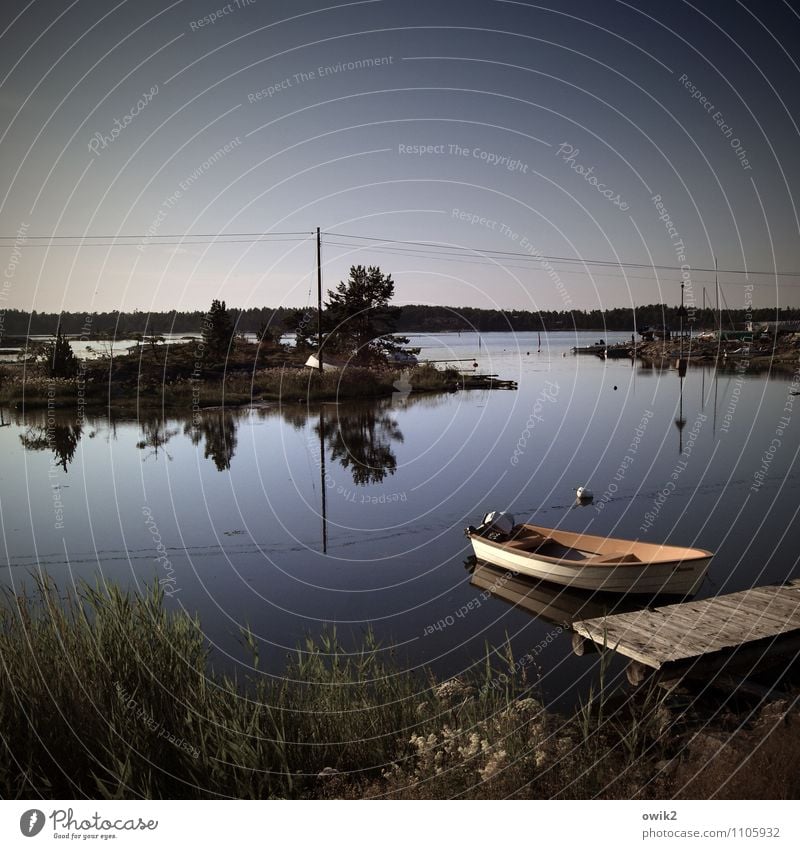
468 259
507 266
157 241
308 233
422 250
560 259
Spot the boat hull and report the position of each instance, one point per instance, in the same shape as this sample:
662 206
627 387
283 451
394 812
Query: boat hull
674 577
313 362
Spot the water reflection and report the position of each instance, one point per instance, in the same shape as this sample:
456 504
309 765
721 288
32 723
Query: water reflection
155 435
680 422
552 603
360 440
61 439
218 429
359 437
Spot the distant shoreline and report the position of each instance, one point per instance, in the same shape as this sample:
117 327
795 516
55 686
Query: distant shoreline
413 318
167 377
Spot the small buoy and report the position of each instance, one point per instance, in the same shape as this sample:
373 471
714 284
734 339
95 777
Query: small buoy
583 494
475 365
615 388
528 353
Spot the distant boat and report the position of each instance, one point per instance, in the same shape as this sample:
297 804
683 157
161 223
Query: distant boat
327 364
588 562
590 349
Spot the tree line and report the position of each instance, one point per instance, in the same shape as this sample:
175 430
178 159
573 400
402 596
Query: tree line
123 324
411 318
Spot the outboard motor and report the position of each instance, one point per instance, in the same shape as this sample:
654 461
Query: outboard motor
495 525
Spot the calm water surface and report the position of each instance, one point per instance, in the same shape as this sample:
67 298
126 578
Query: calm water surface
237 499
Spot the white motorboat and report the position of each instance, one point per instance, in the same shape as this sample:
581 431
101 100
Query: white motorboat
588 562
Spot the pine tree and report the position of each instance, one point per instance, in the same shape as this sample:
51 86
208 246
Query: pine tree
359 320
58 358
217 332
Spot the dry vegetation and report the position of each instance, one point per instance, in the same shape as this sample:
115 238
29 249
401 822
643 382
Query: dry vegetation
168 377
110 694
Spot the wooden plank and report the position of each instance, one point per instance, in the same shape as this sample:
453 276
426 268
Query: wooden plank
671 642
627 642
662 637
689 633
787 593
702 622
680 633
784 602
762 619
727 623
770 595
761 626
629 649
622 626
727 612
694 638
773 588
776 609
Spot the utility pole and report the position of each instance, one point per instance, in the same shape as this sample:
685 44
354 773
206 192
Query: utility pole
319 302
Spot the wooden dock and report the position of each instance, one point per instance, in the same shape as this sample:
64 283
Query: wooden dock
727 633
471 380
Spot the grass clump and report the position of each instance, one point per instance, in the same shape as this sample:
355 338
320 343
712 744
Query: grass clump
107 694
173 378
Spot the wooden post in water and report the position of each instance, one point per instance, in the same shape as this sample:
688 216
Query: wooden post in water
582 646
637 672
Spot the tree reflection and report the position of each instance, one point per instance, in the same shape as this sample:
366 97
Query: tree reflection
156 435
62 440
360 438
219 432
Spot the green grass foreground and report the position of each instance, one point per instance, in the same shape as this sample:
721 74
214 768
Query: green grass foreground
110 695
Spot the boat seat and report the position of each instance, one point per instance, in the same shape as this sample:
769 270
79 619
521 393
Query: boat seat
523 543
527 541
618 558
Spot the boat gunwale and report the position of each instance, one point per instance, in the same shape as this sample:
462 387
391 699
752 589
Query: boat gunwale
689 555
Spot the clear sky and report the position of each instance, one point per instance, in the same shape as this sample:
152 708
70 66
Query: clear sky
650 133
